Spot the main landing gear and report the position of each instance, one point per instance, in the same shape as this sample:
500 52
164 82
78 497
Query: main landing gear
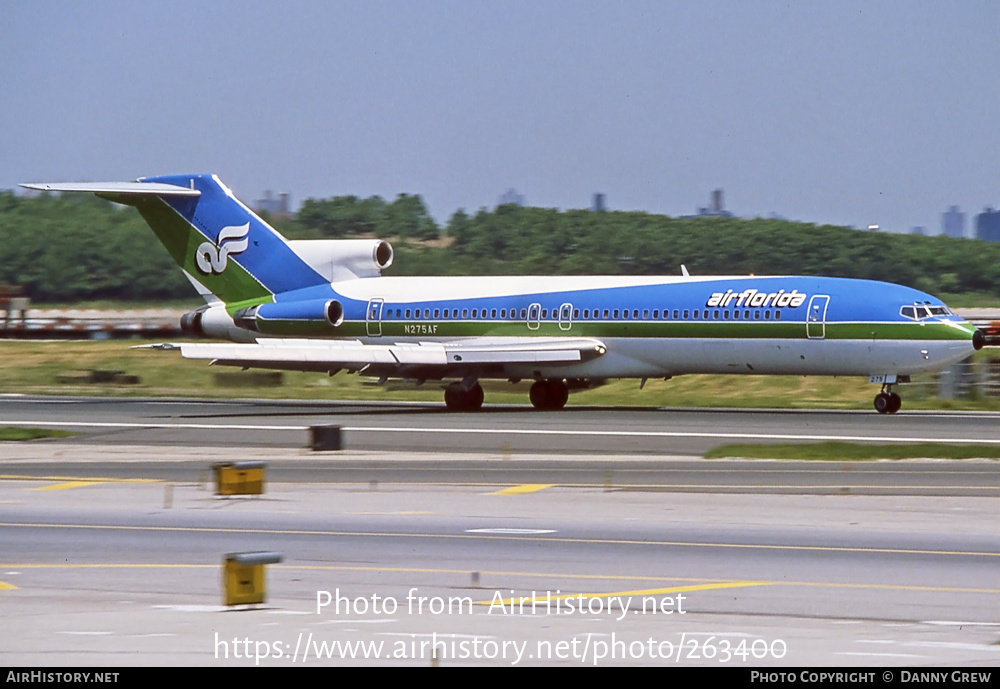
887 401
457 398
548 395
545 395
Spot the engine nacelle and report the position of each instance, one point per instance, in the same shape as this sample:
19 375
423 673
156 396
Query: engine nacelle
344 259
316 316
214 322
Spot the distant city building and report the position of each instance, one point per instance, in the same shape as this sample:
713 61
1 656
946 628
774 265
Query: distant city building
953 222
717 208
278 206
599 205
918 229
511 196
988 225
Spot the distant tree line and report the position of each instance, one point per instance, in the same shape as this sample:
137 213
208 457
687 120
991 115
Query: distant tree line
349 216
77 247
517 240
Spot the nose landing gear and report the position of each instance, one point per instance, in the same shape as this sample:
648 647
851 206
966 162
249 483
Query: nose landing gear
887 401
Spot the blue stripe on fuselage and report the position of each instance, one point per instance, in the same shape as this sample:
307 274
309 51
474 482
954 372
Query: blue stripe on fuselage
851 300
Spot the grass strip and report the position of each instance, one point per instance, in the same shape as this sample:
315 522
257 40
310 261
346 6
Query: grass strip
62 368
853 452
18 433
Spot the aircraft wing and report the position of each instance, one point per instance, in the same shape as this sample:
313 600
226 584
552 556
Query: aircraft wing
397 358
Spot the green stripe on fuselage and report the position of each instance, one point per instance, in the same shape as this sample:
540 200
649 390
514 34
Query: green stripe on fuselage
641 329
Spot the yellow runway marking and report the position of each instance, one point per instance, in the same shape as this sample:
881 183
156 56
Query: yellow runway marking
103 565
523 488
4 586
545 538
629 594
90 479
705 584
68 484
532 487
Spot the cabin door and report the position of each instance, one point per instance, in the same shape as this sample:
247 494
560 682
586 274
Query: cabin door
565 316
816 317
373 317
534 316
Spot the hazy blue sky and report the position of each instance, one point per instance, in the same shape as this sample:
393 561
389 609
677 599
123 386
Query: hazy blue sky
842 112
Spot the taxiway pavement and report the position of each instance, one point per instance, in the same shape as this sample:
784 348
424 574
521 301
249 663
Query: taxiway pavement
113 541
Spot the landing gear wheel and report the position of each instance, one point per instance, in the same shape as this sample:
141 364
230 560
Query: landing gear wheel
458 399
888 403
452 398
560 393
539 394
895 402
474 398
882 403
548 395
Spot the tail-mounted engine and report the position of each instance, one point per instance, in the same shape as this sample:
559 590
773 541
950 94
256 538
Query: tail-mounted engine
213 321
317 316
344 259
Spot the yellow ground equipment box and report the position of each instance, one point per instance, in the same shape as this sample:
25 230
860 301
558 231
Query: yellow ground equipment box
243 576
239 478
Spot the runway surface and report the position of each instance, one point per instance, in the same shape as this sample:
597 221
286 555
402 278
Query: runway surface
430 428
113 540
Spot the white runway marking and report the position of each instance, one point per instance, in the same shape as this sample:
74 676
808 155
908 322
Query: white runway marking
511 532
880 655
957 623
966 440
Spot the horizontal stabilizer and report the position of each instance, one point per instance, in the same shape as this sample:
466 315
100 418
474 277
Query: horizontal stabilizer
148 188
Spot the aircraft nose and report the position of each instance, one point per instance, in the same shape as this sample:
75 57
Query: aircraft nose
978 339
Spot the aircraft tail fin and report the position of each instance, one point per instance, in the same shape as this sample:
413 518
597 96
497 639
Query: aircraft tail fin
224 248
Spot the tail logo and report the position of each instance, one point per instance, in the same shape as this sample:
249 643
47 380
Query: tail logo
212 258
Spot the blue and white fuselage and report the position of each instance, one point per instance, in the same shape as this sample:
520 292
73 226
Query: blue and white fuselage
322 305
654 326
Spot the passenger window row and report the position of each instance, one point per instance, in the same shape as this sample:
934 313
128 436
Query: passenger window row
594 315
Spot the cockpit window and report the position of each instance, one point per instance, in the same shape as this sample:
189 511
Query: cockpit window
918 312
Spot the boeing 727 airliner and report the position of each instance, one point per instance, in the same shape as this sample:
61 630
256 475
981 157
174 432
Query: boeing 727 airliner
323 305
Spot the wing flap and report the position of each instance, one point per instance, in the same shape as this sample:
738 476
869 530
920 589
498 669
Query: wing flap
274 350
525 351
